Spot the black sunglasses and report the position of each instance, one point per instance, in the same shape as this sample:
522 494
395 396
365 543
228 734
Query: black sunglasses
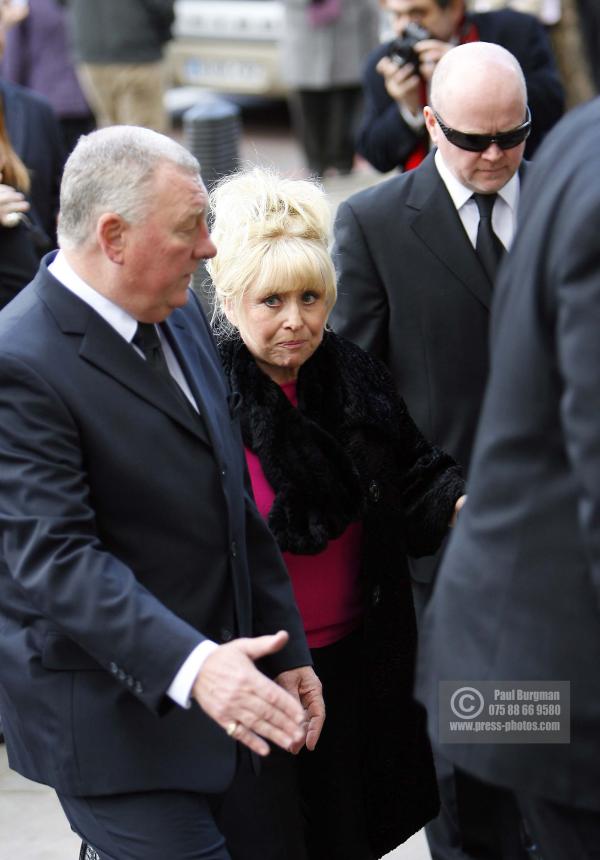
480 142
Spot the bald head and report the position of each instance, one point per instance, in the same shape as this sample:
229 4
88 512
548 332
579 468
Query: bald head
478 89
477 74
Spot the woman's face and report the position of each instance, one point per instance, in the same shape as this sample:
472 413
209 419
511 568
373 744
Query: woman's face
282 329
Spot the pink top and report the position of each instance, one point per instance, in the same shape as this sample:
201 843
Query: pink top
326 585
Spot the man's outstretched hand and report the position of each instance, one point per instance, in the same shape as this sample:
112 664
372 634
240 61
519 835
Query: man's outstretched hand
249 706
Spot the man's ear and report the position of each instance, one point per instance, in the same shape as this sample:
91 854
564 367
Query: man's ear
110 232
431 124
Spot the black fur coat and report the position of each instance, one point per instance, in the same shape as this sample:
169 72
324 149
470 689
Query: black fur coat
351 451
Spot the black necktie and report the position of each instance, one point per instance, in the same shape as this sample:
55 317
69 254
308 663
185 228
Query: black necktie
489 248
146 338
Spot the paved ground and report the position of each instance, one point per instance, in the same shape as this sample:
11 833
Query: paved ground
32 825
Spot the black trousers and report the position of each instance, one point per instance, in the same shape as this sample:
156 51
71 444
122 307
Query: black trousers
476 821
324 121
310 806
157 825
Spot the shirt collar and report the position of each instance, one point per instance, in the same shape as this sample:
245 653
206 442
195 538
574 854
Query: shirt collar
113 314
460 194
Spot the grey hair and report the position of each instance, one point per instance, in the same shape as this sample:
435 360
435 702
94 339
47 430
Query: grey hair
111 170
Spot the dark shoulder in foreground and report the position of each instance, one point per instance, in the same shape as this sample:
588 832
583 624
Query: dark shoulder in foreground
576 133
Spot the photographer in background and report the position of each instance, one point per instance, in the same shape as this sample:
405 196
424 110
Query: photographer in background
392 131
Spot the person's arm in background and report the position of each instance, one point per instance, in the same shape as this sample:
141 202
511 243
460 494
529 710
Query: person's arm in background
361 312
385 137
421 482
431 485
47 170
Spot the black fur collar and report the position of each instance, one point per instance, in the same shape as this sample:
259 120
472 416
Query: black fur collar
311 456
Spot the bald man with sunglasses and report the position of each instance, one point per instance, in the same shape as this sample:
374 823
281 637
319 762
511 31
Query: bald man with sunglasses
416 258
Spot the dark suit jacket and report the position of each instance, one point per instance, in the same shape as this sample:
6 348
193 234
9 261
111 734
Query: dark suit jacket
412 291
35 136
126 537
518 593
386 141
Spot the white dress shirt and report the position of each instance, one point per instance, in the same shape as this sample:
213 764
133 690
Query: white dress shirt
504 213
125 325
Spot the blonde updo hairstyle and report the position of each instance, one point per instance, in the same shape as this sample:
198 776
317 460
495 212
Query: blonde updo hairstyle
272 236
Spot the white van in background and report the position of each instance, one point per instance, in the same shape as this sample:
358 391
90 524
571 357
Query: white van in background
230 46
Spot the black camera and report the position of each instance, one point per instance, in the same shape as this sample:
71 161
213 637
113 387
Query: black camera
402 49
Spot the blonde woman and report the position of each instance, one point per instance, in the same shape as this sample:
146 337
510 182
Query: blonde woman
348 486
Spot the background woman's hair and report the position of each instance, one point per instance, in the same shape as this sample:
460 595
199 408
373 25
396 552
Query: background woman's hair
13 170
272 234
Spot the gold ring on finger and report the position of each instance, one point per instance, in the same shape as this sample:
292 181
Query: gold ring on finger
232 728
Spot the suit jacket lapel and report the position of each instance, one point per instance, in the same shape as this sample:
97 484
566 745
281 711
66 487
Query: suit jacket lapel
201 370
110 353
437 223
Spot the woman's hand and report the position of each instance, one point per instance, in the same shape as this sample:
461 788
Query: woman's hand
457 509
305 687
12 203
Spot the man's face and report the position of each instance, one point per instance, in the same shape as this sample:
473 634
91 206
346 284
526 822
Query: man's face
162 252
441 23
488 171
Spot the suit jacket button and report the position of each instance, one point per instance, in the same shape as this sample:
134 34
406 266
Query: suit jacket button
121 675
138 688
226 635
130 682
113 668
